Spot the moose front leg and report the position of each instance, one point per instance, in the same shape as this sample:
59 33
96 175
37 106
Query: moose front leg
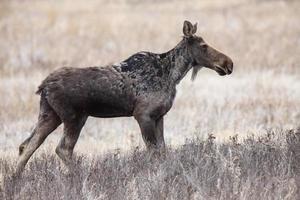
160 133
148 129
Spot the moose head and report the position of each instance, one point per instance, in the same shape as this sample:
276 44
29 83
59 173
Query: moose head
204 55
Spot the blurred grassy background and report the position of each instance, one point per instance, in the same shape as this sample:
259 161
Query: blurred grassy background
48 34
262 38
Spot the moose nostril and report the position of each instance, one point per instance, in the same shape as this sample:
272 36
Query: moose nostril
229 66
229 70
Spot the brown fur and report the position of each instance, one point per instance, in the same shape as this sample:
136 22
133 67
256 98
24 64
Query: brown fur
143 86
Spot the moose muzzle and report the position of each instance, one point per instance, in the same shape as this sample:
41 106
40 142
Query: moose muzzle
224 66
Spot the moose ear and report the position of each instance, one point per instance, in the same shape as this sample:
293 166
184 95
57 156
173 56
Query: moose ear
194 29
188 28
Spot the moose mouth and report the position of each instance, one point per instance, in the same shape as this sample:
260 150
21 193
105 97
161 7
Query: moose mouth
221 71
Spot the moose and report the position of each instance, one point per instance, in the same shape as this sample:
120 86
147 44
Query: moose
143 86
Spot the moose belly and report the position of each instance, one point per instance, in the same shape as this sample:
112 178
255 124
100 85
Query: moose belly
107 110
111 103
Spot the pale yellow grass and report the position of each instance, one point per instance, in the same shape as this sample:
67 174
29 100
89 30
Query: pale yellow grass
262 38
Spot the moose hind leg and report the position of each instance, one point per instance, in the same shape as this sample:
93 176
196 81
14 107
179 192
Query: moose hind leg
48 122
67 143
25 143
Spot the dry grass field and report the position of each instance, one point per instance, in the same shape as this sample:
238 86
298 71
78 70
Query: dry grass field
253 113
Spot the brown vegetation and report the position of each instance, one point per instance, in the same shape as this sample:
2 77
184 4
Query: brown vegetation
263 168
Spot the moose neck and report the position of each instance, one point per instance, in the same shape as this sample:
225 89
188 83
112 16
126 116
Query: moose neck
180 62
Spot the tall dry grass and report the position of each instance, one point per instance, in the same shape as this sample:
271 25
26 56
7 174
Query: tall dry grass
264 168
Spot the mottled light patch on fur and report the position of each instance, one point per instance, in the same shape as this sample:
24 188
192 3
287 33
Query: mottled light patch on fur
143 53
